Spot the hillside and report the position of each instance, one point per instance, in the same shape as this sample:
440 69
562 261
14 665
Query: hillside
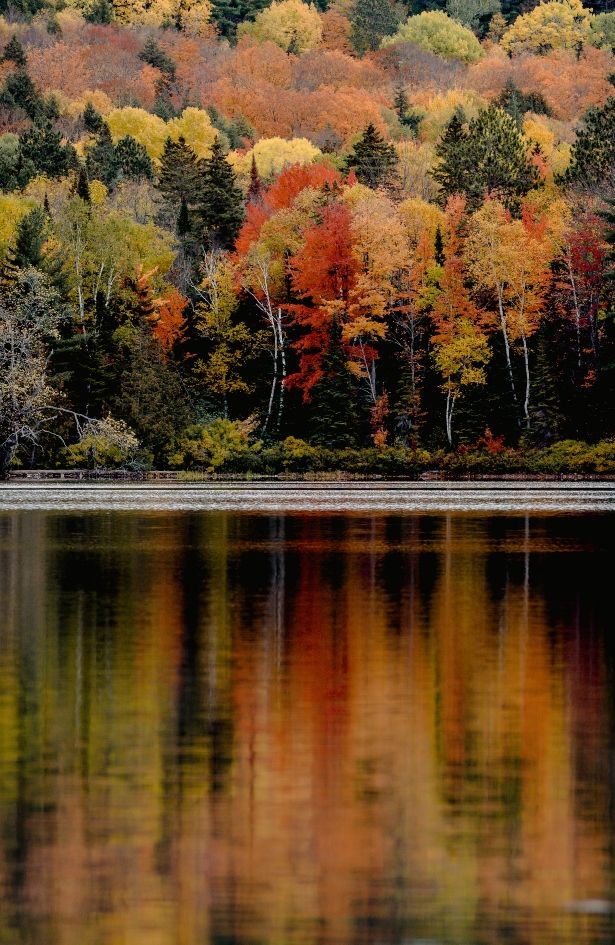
246 237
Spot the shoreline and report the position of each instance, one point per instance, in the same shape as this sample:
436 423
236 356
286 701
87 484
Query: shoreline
58 476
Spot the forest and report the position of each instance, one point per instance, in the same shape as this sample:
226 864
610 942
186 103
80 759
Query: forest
355 235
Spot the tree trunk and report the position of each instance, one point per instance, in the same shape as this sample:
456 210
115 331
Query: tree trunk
526 402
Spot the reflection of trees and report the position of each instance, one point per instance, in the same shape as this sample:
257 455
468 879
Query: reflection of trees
226 728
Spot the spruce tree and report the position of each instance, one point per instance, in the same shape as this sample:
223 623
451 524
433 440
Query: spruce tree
490 158
133 160
592 161
228 14
101 160
439 247
19 91
183 226
43 148
29 251
178 177
82 186
14 52
219 210
100 12
406 117
371 21
334 421
92 119
155 56
372 159
255 190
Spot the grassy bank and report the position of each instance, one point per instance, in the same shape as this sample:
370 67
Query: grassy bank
296 460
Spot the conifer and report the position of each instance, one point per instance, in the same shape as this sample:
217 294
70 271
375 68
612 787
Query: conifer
372 159
219 209
334 421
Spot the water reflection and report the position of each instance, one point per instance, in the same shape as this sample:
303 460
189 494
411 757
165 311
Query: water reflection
291 730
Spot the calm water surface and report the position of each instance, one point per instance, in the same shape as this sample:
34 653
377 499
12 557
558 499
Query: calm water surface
306 729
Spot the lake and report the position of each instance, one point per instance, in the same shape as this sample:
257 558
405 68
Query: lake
307 727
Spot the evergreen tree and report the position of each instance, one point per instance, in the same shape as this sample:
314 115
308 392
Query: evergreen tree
14 52
545 410
439 247
372 159
82 186
608 215
100 12
234 130
92 119
517 103
228 14
490 158
334 421
155 56
371 21
592 162
183 226
219 210
101 160
406 117
42 148
28 251
19 92
133 160
178 177
255 190
163 103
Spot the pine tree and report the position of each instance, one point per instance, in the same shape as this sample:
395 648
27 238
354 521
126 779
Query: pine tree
592 161
101 160
228 14
155 56
334 421
452 150
372 20
163 103
14 52
490 158
82 186
255 190
19 91
439 247
406 117
28 251
608 215
42 147
178 177
183 226
100 12
372 159
219 210
133 160
92 119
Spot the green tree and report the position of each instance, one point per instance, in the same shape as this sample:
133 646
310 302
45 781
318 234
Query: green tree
219 211
405 115
19 92
592 162
100 12
155 56
333 415
371 21
179 173
228 14
133 160
43 147
82 186
14 52
489 158
92 119
102 160
9 161
372 159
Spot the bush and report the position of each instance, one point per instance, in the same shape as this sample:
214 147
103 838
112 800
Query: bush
105 444
214 445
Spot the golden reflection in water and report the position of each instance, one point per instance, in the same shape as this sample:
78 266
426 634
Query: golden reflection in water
305 729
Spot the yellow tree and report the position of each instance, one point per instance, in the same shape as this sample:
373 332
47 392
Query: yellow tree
510 259
460 356
557 24
294 26
232 343
272 155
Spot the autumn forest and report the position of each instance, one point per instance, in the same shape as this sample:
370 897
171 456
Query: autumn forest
354 235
